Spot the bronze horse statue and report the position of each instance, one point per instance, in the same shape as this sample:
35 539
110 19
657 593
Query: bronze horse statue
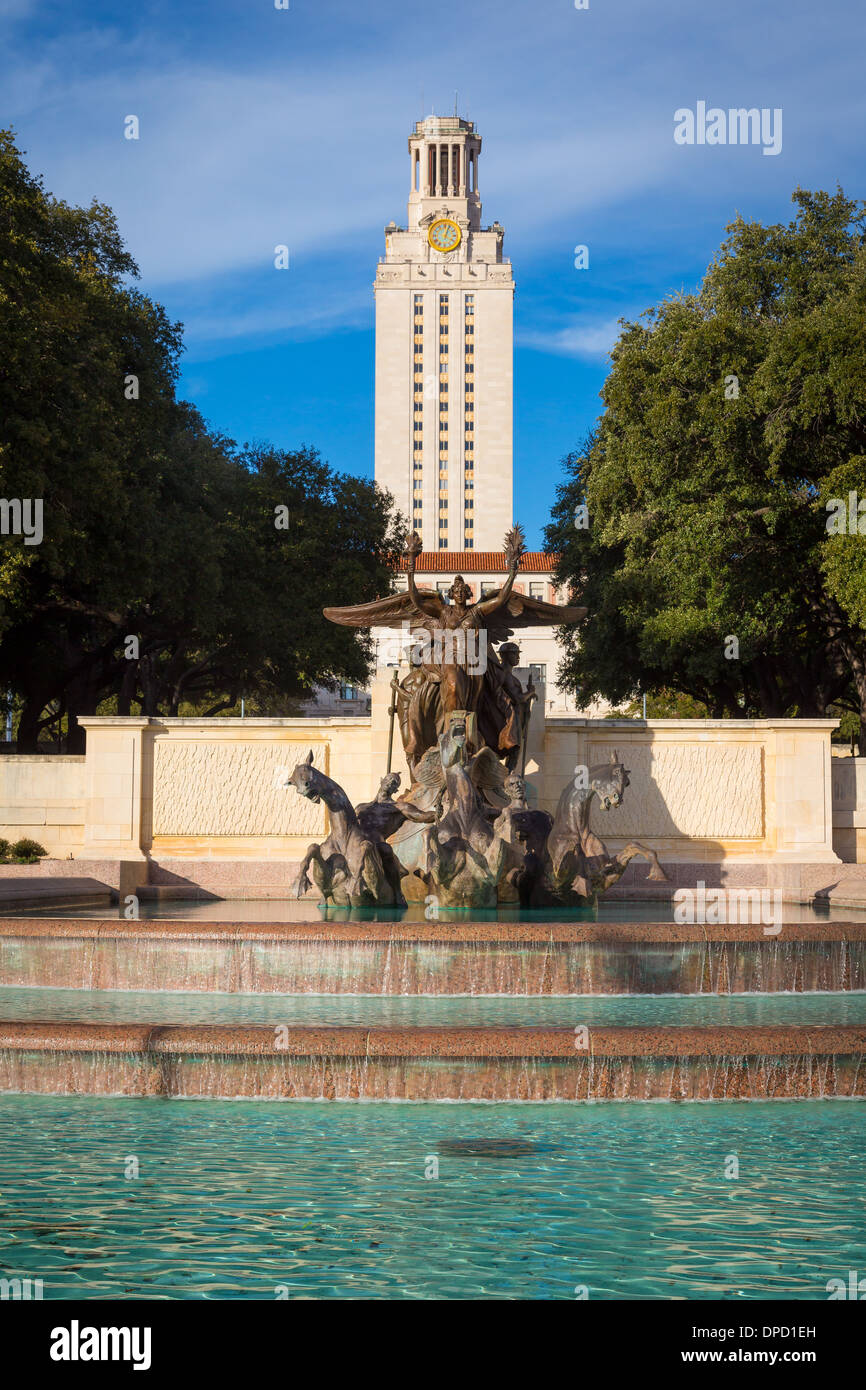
349 868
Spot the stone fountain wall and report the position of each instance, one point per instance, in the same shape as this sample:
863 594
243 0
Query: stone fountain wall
436 1063
434 959
203 800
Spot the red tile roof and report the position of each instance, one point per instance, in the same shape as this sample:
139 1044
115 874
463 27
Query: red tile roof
477 562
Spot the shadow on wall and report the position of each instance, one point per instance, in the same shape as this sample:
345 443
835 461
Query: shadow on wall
685 791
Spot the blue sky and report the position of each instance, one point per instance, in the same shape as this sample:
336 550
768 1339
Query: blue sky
262 126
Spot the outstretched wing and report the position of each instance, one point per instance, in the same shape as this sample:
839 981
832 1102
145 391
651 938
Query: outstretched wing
523 611
392 611
488 775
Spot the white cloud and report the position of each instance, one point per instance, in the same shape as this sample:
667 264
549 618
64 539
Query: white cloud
304 143
262 320
592 339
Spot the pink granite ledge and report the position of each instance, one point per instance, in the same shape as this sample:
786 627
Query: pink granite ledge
504 933
27 891
432 1042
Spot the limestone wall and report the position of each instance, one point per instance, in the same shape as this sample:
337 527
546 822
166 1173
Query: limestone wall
202 788
706 790
849 809
42 797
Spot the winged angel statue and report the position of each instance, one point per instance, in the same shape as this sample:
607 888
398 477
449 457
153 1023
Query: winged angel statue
454 664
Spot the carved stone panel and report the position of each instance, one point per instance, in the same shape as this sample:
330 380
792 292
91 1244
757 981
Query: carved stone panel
204 787
701 790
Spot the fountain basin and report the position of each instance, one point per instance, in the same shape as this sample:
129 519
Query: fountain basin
432 958
291 1062
158 1008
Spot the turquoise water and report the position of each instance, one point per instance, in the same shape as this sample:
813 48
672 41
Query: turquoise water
122 1006
239 1200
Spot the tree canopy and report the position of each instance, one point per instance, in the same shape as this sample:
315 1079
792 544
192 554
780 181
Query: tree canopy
217 561
732 418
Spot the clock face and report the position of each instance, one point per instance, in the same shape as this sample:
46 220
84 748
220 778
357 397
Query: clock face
444 235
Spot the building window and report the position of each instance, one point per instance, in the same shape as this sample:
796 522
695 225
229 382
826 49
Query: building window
538 672
536 591
348 692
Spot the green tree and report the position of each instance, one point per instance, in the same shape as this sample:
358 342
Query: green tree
731 415
162 577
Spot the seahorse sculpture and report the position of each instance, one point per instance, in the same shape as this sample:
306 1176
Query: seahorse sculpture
467 852
580 865
349 868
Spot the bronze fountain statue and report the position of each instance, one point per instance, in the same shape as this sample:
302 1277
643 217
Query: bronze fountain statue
454 664
463 830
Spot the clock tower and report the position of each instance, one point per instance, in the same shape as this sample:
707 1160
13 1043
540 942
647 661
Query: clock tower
444 344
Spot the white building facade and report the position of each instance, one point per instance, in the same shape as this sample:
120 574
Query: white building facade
444 350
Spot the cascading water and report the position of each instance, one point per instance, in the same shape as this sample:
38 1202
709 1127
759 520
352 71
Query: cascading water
398 965
421 1056
335 1076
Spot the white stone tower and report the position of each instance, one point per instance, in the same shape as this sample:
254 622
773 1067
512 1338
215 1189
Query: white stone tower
444 347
